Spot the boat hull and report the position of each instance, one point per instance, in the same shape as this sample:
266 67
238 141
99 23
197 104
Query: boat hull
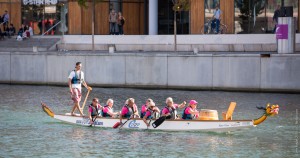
168 125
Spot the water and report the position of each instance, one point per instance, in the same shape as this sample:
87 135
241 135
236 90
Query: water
26 131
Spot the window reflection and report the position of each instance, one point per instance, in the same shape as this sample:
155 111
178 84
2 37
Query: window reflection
295 5
42 17
210 6
256 16
250 16
166 19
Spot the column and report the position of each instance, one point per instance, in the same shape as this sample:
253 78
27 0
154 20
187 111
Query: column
285 34
153 17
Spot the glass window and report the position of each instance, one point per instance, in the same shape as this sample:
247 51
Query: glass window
272 6
43 17
210 6
166 19
250 16
253 16
295 5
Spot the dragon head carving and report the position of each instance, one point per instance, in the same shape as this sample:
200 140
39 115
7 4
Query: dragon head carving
272 110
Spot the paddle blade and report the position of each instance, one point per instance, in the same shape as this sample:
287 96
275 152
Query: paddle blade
158 122
117 125
47 110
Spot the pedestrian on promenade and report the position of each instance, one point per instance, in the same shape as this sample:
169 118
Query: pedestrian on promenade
216 20
5 18
76 78
275 17
112 22
121 22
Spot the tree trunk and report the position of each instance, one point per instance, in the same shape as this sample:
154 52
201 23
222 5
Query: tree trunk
175 32
93 26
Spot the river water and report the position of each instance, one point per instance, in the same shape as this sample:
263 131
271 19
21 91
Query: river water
26 131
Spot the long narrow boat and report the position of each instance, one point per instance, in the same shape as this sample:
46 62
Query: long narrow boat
168 125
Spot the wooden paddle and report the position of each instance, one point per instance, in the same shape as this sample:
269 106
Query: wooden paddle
86 98
159 121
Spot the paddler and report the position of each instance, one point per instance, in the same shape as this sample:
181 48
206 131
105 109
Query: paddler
149 113
129 110
108 109
144 107
191 112
76 77
171 109
94 109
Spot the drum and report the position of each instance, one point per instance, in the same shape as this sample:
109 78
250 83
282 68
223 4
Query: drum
207 114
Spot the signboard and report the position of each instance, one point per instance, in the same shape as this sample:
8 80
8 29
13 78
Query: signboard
50 9
40 2
282 31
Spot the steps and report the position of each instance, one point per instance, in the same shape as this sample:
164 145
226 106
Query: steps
43 44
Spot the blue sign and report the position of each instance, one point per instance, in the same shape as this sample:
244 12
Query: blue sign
87 121
133 124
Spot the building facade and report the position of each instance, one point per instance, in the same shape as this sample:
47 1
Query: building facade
144 16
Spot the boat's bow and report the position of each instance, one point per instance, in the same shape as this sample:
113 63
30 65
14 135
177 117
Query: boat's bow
47 110
269 111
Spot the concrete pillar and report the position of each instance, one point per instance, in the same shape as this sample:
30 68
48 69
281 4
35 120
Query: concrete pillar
285 34
153 17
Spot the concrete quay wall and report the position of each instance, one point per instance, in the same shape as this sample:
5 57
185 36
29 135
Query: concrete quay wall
212 72
203 43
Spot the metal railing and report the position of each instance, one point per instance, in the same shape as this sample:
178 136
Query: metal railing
51 28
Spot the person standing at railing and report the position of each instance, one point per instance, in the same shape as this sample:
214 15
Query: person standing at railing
121 22
112 22
5 20
216 19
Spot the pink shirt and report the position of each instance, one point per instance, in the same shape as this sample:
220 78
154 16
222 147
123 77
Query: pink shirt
107 109
144 108
148 113
125 110
165 110
187 109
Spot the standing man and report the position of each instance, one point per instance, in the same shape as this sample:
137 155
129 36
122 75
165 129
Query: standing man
5 20
275 17
216 19
76 77
112 22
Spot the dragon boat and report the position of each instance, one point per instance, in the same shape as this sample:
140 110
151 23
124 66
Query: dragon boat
215 125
